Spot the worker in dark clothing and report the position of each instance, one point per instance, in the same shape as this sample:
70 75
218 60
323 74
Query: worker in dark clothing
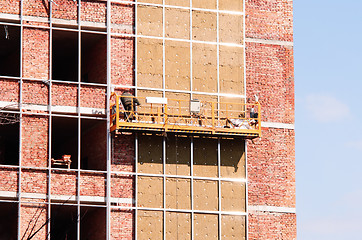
253 114
129 103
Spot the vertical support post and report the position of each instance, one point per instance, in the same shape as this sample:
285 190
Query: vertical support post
163 50
164 185
136 187
213 113
246 189
191 75
158 114
165 115
79 116
218 53
109 136
136 139
259 118
20 116
117 111
192 187
219 183
50 115
135 47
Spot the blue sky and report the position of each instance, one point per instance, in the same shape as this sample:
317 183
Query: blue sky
328 79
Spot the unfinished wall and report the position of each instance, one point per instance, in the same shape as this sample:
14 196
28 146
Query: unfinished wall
204 67
178 156
178 225
177 64
165 66
231 67
205 193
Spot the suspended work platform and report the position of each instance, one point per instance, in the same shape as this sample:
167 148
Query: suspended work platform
194 117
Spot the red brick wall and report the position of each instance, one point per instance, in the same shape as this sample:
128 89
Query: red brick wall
124 19
63 183
8 179
33 216
122 224
93 184
65 9
34 141
10 6
271 158
35 92
35 128
64 94
122 186
270 75
93 97
93 10
271 168
123 153
35 52
34 181
272 226
122 61
37 8
9 90
269 19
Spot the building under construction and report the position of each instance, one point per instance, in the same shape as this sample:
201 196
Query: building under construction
147 119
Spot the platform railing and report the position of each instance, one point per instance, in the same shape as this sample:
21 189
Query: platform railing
185 115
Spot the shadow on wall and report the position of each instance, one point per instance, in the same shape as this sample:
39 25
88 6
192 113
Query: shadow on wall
205 156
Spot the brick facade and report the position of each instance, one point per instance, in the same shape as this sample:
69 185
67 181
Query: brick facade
271 158
269 74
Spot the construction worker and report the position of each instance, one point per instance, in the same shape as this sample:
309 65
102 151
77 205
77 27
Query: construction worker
129 103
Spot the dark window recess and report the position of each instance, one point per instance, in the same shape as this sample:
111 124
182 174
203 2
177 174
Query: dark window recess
9 144
9 51
65 56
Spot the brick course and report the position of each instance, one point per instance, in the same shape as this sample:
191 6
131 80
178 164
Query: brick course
271 168
269 19
122 224
10 6
270 75
8 179
64 94
9 90
272 226
36 53
34 141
